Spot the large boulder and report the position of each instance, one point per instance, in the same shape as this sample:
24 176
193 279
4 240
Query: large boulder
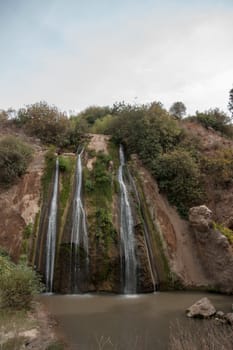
200 218
203 308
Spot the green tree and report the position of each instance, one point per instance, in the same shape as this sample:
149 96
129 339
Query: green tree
93 113
45 122
178 110
230 104
179 177
14 158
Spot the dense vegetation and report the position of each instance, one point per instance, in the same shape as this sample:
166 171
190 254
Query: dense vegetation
18 284
14 158
99 188
163 146
152 132
215 119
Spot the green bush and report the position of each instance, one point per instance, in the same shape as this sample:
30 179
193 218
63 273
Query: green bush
219 168
45 122
18 284
216 119
64 164
14 158
178 175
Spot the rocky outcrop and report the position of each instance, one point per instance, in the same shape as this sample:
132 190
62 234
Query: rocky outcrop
203 308
200 218
214 250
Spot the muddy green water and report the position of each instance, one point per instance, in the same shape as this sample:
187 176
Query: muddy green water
107 322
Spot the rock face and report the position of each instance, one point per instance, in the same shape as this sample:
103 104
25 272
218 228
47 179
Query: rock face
200 218
19 205
214 250
203 308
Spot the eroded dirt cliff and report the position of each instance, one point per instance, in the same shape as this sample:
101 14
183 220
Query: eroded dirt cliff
19 204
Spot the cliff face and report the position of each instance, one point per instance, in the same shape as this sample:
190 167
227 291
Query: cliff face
196 257
178 243
214 249
20 203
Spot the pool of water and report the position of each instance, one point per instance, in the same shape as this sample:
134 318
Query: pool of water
142 322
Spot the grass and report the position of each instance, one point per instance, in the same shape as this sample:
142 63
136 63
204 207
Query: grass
11 324
200 334
15 319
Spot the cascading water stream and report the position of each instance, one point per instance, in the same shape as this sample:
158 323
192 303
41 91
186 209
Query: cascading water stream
79 235
52 233
153 272
128 256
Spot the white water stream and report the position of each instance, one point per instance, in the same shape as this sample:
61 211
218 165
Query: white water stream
128 257
79 235
52 233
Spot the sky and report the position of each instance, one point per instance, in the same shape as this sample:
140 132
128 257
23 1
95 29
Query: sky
77 53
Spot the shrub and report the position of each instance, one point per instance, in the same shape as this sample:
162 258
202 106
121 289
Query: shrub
178 175
14 158
64 164
228 233
18 284
216 119
219 167
45 122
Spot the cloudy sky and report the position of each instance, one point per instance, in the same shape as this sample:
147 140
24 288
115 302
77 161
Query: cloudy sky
76 53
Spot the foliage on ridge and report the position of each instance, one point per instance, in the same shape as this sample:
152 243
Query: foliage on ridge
14 159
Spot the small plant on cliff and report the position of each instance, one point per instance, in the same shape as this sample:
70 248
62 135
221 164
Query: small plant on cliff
64 164
14 158
225 231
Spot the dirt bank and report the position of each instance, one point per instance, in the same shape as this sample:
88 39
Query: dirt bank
19 204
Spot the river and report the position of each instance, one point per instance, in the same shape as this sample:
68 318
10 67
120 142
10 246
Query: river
140 322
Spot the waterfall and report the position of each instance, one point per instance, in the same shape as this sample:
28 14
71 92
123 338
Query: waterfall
79 236
128 257
148 244
51 233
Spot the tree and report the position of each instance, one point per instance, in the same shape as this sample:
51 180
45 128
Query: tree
178 110
45 122
230 104
14 158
